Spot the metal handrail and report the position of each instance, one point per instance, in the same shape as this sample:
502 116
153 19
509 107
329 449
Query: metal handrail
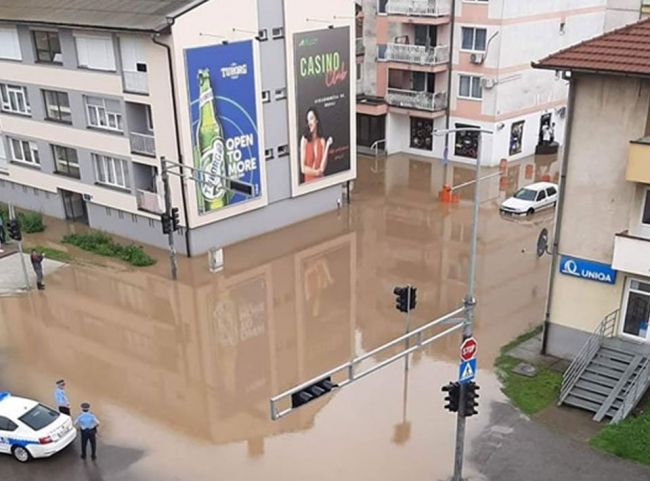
634 392
605 329
375 147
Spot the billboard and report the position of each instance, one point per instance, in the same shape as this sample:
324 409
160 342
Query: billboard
322 97
224 117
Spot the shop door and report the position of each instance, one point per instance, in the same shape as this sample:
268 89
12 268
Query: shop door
636 310
75 207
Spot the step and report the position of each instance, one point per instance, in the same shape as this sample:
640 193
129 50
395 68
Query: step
609 364
616 390
588 395
582 403
593 386
595 378
614 354
603 371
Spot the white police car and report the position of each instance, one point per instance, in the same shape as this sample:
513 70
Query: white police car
29 429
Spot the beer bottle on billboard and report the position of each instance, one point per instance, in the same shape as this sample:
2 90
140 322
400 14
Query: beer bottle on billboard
210 150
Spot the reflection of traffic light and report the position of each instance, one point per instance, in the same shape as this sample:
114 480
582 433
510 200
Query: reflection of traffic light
14 230
312 392
176 222
453 396
412 300
401 303
470 402
166 222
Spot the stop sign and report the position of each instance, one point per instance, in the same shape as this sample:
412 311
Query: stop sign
468 349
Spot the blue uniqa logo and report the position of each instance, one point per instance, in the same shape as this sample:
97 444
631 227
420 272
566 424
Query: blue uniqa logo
584 269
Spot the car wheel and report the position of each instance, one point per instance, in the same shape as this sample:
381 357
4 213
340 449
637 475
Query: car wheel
21 454
530 211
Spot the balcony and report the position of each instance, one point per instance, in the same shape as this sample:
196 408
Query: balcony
143 144
418 8
136 82
638 161
416 54
360 48
149 201
410 99
631 254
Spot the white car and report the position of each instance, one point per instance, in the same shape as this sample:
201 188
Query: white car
29 429
530 199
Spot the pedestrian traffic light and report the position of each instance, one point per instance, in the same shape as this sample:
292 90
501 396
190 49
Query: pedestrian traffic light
166 222
401 303
176 222
13 226
312 392
470 403
412 300
453 396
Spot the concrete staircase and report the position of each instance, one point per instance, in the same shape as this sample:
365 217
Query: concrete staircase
609 376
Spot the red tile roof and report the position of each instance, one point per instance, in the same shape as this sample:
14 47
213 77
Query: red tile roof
622 51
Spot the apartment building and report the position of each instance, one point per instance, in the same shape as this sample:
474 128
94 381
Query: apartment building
435 64
90 103
599 294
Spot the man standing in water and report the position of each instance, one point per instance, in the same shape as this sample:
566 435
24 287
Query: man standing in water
37 264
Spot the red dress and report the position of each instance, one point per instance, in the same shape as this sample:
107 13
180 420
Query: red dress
313 157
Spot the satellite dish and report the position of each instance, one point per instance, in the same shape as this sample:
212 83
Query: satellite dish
542 243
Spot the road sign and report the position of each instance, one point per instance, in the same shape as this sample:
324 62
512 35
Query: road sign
467 371
468 349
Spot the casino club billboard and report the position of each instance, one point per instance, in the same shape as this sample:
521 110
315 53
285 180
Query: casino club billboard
224 116
322 70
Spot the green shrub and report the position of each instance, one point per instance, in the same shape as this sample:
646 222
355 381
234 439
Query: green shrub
103 244
31 222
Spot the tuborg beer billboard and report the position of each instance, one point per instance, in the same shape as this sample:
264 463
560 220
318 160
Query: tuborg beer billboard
224 116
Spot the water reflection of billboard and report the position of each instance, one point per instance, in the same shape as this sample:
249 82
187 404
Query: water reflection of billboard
322 76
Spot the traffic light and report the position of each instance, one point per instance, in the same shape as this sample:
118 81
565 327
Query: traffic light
453 396
312 392
401 303
166 222
13 226
412 300
176 222
470 401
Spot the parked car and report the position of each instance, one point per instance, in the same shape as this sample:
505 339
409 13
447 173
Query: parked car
530 199
29 429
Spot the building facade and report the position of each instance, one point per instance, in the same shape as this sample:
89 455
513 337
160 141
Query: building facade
439 64
90 105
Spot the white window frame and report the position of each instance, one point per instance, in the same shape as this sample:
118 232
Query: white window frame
86 59
149 118
473 29
9 40
107 119
3 155
27 153
472 79
17 94
58 160
108 171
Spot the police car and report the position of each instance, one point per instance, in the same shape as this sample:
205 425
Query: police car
29 429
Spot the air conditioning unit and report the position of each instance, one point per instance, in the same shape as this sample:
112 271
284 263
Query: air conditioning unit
488 83
477 58
87 197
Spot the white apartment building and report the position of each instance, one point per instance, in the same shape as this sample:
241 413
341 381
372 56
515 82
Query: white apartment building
90 102
425 68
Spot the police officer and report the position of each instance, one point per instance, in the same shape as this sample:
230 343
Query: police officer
61 398
87 423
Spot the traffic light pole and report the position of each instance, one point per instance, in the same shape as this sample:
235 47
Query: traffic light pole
168 210
12 216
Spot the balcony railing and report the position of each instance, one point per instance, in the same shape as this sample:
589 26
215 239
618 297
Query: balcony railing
149 201
416 54
424 8
411 99
143 144
360 48
136 82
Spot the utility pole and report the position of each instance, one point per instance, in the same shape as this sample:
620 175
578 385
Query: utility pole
12 218
168 212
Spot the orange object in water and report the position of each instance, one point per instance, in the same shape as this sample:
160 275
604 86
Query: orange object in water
445 194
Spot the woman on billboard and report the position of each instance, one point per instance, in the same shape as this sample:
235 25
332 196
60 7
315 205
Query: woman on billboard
314 149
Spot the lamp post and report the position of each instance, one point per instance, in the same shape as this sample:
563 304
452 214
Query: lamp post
469 301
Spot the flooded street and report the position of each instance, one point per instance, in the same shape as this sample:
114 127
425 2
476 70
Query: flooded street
180 374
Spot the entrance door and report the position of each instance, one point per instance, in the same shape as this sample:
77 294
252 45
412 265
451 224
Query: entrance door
74 206
636 310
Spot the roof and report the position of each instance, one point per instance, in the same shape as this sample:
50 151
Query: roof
15 406
136 15
625 51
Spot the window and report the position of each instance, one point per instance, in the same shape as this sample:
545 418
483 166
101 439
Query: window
149 115
541 195
9 44
104 113
66 161
474 39
551 191
95 52
14 99
645 215
57 106
466 142
111 171
278 32
469 87
3 155
283 150
48 47
266 96
263 35
516 137
421 133
280 94
268 154
39 417
7 424
24 151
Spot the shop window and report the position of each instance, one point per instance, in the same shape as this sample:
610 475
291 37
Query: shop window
516 137
421 133
466 142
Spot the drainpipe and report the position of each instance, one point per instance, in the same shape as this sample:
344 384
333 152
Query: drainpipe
179 151
559 214
449 80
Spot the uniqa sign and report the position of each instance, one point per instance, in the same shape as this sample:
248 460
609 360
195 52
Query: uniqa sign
594 271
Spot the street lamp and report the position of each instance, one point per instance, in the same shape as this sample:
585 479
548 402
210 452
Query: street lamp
469 302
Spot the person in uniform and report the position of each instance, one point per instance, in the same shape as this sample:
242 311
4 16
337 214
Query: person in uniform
61 398
87 423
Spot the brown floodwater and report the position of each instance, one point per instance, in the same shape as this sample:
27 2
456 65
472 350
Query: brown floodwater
180 373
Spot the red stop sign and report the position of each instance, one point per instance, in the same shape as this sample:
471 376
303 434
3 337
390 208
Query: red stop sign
468 349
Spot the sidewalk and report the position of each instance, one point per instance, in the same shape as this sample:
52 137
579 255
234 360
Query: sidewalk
12 278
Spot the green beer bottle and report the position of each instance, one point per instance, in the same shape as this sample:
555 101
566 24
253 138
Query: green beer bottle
210 151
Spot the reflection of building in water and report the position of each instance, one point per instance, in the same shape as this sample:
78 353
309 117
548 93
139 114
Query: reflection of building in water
203 357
